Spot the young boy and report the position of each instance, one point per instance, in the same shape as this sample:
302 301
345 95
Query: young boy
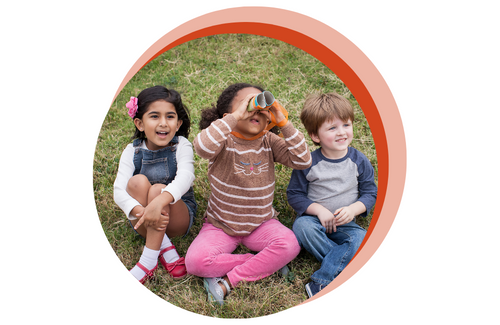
337 187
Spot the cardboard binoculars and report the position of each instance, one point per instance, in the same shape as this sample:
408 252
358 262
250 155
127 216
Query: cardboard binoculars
264 100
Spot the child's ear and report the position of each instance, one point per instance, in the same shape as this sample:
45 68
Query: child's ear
314 137
179 123
138 124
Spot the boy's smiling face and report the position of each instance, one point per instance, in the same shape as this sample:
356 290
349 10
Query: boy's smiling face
334 136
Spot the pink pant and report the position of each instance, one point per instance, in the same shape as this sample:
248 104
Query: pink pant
210 253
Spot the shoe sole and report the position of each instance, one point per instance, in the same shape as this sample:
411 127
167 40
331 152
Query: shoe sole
308 290
211 298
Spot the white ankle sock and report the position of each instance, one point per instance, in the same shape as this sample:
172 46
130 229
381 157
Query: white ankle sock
171 255
149 259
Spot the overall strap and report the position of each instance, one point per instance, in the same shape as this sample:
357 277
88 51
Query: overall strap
137 156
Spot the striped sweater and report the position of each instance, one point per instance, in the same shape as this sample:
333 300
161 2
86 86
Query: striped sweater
241 173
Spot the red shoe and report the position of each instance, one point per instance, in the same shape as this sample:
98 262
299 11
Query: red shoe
177 269
149 273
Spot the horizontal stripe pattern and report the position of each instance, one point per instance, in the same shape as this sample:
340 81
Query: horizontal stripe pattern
241 173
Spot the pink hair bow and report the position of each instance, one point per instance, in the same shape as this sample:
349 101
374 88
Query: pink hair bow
132 106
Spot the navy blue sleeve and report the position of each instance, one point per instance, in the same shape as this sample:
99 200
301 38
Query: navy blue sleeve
297 191
366 183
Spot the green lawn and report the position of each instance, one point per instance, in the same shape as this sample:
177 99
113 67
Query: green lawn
200 70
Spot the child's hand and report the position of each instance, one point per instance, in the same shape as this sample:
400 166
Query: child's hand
138 209
344 215
327 220
151 216
278 114
164 219
241 113
163 222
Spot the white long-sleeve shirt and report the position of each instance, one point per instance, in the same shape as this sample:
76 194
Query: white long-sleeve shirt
179 186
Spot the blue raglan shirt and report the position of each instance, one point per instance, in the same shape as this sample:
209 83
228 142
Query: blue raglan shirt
333 183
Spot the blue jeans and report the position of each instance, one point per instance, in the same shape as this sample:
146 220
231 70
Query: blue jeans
334 250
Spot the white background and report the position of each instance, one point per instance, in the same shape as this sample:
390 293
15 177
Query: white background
61 64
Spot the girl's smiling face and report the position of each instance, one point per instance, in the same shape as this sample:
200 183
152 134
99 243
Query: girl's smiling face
254 124
159 123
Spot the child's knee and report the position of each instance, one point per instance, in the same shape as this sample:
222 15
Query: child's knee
138 182
293 247
196 263
289 245
304 228
155 190
299 225
357 239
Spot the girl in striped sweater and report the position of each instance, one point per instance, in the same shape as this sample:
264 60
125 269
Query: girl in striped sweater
241 154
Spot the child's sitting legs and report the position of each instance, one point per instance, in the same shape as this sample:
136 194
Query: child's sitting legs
157 241
334 250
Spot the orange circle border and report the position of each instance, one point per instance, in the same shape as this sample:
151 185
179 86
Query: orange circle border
356 71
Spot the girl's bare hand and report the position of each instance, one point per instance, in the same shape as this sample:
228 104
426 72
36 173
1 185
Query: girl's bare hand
150 216
276 112
163 222
241 113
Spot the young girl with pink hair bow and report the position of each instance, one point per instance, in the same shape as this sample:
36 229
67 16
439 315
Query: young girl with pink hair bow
153 185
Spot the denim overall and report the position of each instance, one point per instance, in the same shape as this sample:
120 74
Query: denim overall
160 166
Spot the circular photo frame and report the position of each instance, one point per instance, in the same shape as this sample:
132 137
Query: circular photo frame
355 70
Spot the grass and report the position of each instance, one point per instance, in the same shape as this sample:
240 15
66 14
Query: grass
200 70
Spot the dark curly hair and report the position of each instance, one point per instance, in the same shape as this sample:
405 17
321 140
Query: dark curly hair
224 104
152 94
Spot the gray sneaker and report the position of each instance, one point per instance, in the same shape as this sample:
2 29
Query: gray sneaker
214 291
284 271
313 288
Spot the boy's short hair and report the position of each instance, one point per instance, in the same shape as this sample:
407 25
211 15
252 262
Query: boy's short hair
319 108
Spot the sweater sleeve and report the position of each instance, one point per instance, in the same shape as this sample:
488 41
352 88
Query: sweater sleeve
125 172
185 170
210 141
296 191
366 183
292 151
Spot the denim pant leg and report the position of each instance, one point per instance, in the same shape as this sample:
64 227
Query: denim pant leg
312 236
341 245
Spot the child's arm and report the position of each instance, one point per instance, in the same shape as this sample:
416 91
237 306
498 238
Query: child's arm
152 216
296 191
366 184
347 214
173 192
367 192
324 215
125 172
299 201
210 141
185 171
292 149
